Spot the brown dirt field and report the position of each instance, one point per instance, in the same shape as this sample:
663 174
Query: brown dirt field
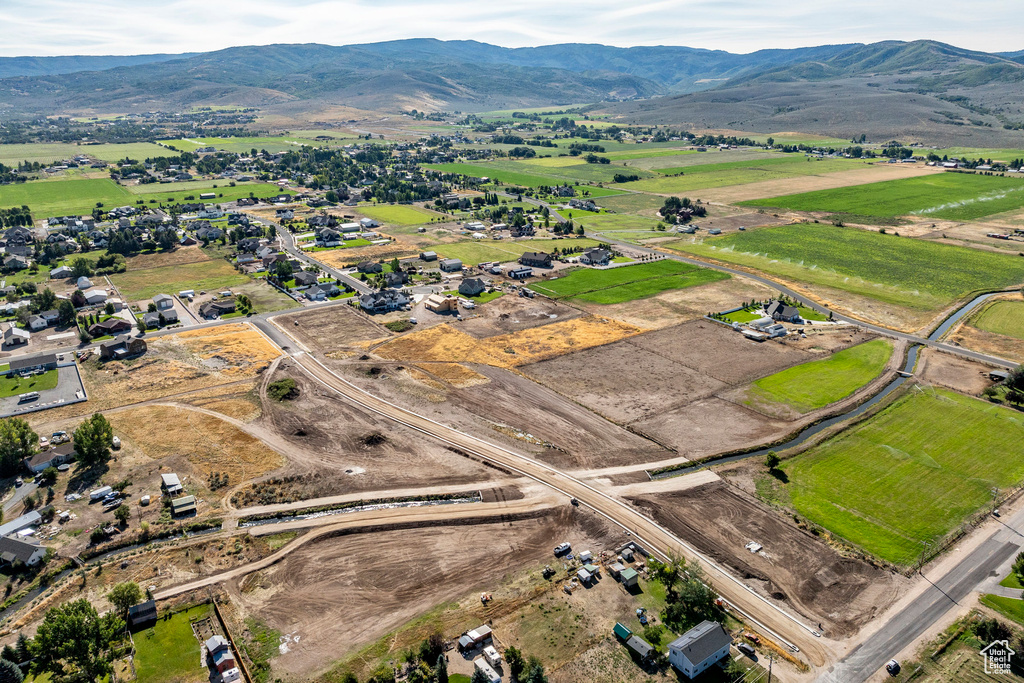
953 372
711 426
510 314
447 344
795 567
235 350
528 416
455 374
751 219
179 256
209 444
998 345
326 438
238 401
775 188
339 258
333 329
681 305
381 581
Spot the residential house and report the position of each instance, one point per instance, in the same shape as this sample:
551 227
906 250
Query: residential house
158 319
19 234
21 366
370 267
110 326
596 257
441 304
451 265
209 233
14 549
55 456
472 287
328 237
163 301
395 279
323 291
777 310
52 317
564 191
122 347
215 309
305 279
217 644
15 263
536 259
15 337
321 221
702 646
248 244
60 273
36 323
383 301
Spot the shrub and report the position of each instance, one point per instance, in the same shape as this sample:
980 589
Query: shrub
283 389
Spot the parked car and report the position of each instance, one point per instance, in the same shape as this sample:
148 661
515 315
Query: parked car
746 649
893 667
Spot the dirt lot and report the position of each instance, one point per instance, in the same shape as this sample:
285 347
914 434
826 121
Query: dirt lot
380 581
511 313
953 372
795 567
333 329
998 345
332 445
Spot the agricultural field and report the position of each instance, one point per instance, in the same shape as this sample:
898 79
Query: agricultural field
1002 317
46 153
903 271
507 177
397 214
479 251
627 283
951 196
610 222
814 385
188 186
909 475
225 193
706 176
137 285
170 651
564 172
633 202
283 143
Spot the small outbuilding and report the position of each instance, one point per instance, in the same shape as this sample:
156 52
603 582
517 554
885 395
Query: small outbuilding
142 615
185 505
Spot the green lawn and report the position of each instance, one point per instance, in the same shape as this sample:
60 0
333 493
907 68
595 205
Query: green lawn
910 272
12 386
48 152
478 251
483 298
954 196
617 285
137 285
910 474
705 176
169 652
1010 608
1002 317
506 177
1011 581
744 315
615 221
398 214
814 385
631 202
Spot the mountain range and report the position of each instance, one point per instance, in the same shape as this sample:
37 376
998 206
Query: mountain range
946 87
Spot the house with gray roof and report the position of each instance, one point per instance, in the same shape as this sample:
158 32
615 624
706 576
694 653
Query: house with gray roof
14 549
701 647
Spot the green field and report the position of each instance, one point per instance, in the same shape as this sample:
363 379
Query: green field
46 153
617 285
909 475
814 385
170 651
1011 608
604 222
631 202
479 251
953 196
706 176
397 214
909 272
507 177
191 186
213 275
1002 317
13 386
564 169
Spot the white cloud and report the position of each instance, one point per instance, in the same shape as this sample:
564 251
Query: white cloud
63 27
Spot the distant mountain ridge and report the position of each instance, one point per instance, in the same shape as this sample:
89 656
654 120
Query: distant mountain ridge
53 66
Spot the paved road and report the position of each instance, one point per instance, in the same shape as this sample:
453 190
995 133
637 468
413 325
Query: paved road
20 494
942 595
288 243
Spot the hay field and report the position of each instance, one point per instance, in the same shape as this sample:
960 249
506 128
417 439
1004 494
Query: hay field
444 343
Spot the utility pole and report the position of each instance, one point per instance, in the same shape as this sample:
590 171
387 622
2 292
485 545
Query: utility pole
771 659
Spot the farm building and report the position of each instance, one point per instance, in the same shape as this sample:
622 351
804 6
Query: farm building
185 505
702 646
17 524
61 273
474 638
95 296
170 483
537 259
15 337
83 282
629 577
520 273
142 615
163 302
441 304
614 569
641 647
428 255
451 265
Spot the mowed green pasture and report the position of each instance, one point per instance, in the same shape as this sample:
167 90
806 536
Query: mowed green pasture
614 221
899 270
953 196
170 651
816 384
1002 317
706 176
397 214
909 475
616 285
496 176
472 252
49 152
566 173
213 275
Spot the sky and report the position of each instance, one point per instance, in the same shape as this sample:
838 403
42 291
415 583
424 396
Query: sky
103 27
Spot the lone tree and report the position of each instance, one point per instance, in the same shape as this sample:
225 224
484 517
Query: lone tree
124 595
93 439
17 442
772 460
516 664
74 637
123 513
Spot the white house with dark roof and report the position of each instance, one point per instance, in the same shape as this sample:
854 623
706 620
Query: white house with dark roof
13 549
701 647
